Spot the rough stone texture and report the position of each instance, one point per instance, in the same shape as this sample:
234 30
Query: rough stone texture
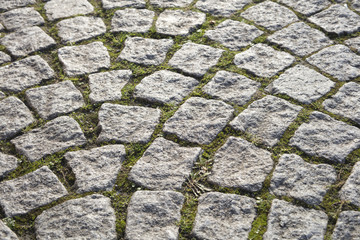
56 99
8 163
154 215
21 18
338 61
6 233
128 124
354 43
270 15
170 3
28 192
337 19
165 165
96 169
231 87
234 35
145 51
10 4
220 215
4 58
25 73
351 189
83 59
347 226
26 41
132 20
263 60
14 116
178 22
56 9
195 59
223 8
109 4
90 217
307 7
267 119
56 135
199 120
165 87
355 4
2 95
301 83
1 27
80 28
326 137
106 86
296 178
286 221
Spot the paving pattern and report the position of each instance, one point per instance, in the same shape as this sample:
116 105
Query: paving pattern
179 119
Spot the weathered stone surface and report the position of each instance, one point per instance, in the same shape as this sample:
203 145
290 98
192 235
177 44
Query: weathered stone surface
347 226
27 40
2 95
240 164
355 4
6 233
109 4
145 51
25 73
128 124
4 58
286 221
199 120
14 116
301 83
56 135
170 3
296 178
96 169
106 86
326 137
154 215
267 119
220 215
90 217
337 19
165 87
1 27
351 189
56 9
223 8
28 192
234 35
178 22
195 59
270 15
307 7
83 59
354 43
263 60
21 18
8 163
231 87
165 165
56 99
132 20
7 5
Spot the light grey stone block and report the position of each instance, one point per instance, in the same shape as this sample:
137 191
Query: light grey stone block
6 233
1 27
224 8
56 9
7 5
4 58
8 164
132 20
21 18
307 7
2 95
351 189
170 3
347 226
355 4
354 43
109 4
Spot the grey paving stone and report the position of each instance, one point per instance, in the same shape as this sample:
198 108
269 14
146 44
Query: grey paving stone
355 4
56 135
220 215
90 217
56 99
8 163
1 27
128 124
2 95
354 43
56 9
231 87
21 18
25 73
267 119
145 51
83 59
326 137
337 19
338 61
351 189
154 215
7 5
170 3
199 120
6 233
296 178
270 15
165 165
26 41
223 8
195 59
263 60
301 83
234 35
109 4
106 86
347 226
28 192
96 169
307 7
4 58
14 116
286 221
165 87
132 20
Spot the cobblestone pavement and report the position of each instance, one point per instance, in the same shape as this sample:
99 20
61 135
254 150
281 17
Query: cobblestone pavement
179 119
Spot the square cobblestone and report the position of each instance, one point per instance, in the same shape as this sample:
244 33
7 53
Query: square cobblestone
8 164
307 7
109 4
132 20
7 5
56 9
354 43
347 226
170 3
21 18
224 8
351 189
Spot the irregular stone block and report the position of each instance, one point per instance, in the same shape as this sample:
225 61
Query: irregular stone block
132 20
224 8
56 9
351 189
21 18
170 3
6 233
347 226
7 5
109 4
354 43
307 7
8 164
2 95
4 58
